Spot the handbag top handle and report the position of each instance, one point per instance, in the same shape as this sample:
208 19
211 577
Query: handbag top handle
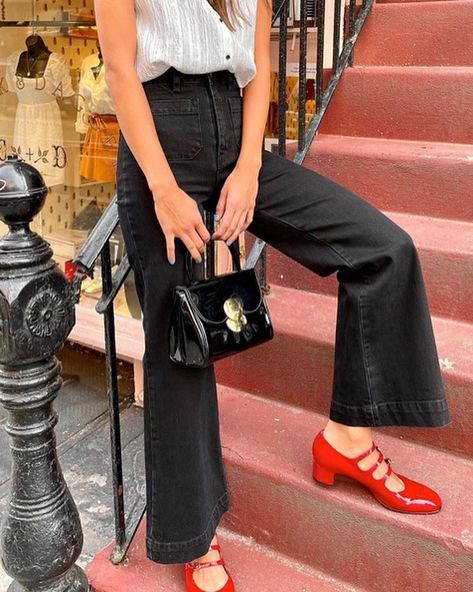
210 252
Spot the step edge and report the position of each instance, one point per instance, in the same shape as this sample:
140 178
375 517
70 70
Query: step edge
465 3
415 69
323 138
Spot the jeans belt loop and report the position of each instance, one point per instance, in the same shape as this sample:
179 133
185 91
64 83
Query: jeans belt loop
176 79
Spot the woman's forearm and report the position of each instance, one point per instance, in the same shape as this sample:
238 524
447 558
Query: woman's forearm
257 93
129 100
256 97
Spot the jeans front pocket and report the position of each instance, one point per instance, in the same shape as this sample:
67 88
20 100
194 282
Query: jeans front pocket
179 127
235 104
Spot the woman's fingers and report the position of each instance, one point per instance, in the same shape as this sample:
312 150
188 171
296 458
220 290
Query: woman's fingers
240 226
170 247
227 224
249 217
191 246
180 217
194 244
202 231
198 242
221 204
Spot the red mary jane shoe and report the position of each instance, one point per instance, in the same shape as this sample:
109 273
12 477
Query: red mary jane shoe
190 567
414 498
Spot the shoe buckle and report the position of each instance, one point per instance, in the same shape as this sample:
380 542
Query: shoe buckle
195 566
201 564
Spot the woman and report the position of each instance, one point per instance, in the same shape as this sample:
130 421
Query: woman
190 82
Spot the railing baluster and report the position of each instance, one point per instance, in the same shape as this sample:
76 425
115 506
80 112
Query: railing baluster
320 55
302 74
283 16
336 34
114 407
351 26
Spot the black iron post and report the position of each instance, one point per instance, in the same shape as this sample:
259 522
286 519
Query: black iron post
41 535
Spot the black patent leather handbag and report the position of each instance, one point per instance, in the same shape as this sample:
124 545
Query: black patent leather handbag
218 316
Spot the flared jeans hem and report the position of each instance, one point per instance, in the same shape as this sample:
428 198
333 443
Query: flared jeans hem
183 551
432 413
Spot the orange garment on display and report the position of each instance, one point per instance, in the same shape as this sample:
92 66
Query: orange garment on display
99 153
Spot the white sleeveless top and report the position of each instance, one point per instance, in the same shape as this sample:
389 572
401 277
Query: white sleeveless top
190 35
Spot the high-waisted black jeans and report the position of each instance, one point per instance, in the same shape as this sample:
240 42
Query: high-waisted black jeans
386 363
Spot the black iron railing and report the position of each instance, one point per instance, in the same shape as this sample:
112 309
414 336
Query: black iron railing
348 22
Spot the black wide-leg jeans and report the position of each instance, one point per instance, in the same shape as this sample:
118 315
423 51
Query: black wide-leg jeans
386 363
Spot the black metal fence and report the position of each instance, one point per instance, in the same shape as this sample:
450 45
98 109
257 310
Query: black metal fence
347 23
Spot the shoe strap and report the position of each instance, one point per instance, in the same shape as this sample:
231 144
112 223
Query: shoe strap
216 547
378 462
364 454
199 565
389 471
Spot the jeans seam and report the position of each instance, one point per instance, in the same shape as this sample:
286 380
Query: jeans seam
214 114
310 234
365 346
199 538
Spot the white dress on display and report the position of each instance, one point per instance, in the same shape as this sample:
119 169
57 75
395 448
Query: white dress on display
38 135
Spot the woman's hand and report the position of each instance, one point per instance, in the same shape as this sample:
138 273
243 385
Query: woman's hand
236 204
179 216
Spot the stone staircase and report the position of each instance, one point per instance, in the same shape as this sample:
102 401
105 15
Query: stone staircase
399 132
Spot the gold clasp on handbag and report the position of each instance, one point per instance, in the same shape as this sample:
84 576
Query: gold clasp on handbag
233 308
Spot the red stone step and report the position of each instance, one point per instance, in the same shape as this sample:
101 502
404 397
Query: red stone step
253 567
297 365
415 103
343 530
425 178
446 250
417 34
340 531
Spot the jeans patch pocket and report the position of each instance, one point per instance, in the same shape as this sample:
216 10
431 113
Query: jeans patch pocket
179 128
235 104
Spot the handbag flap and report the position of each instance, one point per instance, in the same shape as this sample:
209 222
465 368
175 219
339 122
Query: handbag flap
207 297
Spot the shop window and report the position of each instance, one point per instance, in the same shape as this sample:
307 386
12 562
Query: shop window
56 113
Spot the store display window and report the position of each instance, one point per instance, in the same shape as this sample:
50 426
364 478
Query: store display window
56 113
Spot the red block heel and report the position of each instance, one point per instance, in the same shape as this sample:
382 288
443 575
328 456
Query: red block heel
415 498
323 475
190 567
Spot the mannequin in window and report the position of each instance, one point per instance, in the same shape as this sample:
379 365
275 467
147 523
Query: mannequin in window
33 61
39 77
96 118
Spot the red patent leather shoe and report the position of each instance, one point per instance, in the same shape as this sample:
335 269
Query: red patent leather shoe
190 567
414 498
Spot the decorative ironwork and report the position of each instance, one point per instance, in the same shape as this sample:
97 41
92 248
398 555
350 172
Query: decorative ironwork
41 536
46 313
